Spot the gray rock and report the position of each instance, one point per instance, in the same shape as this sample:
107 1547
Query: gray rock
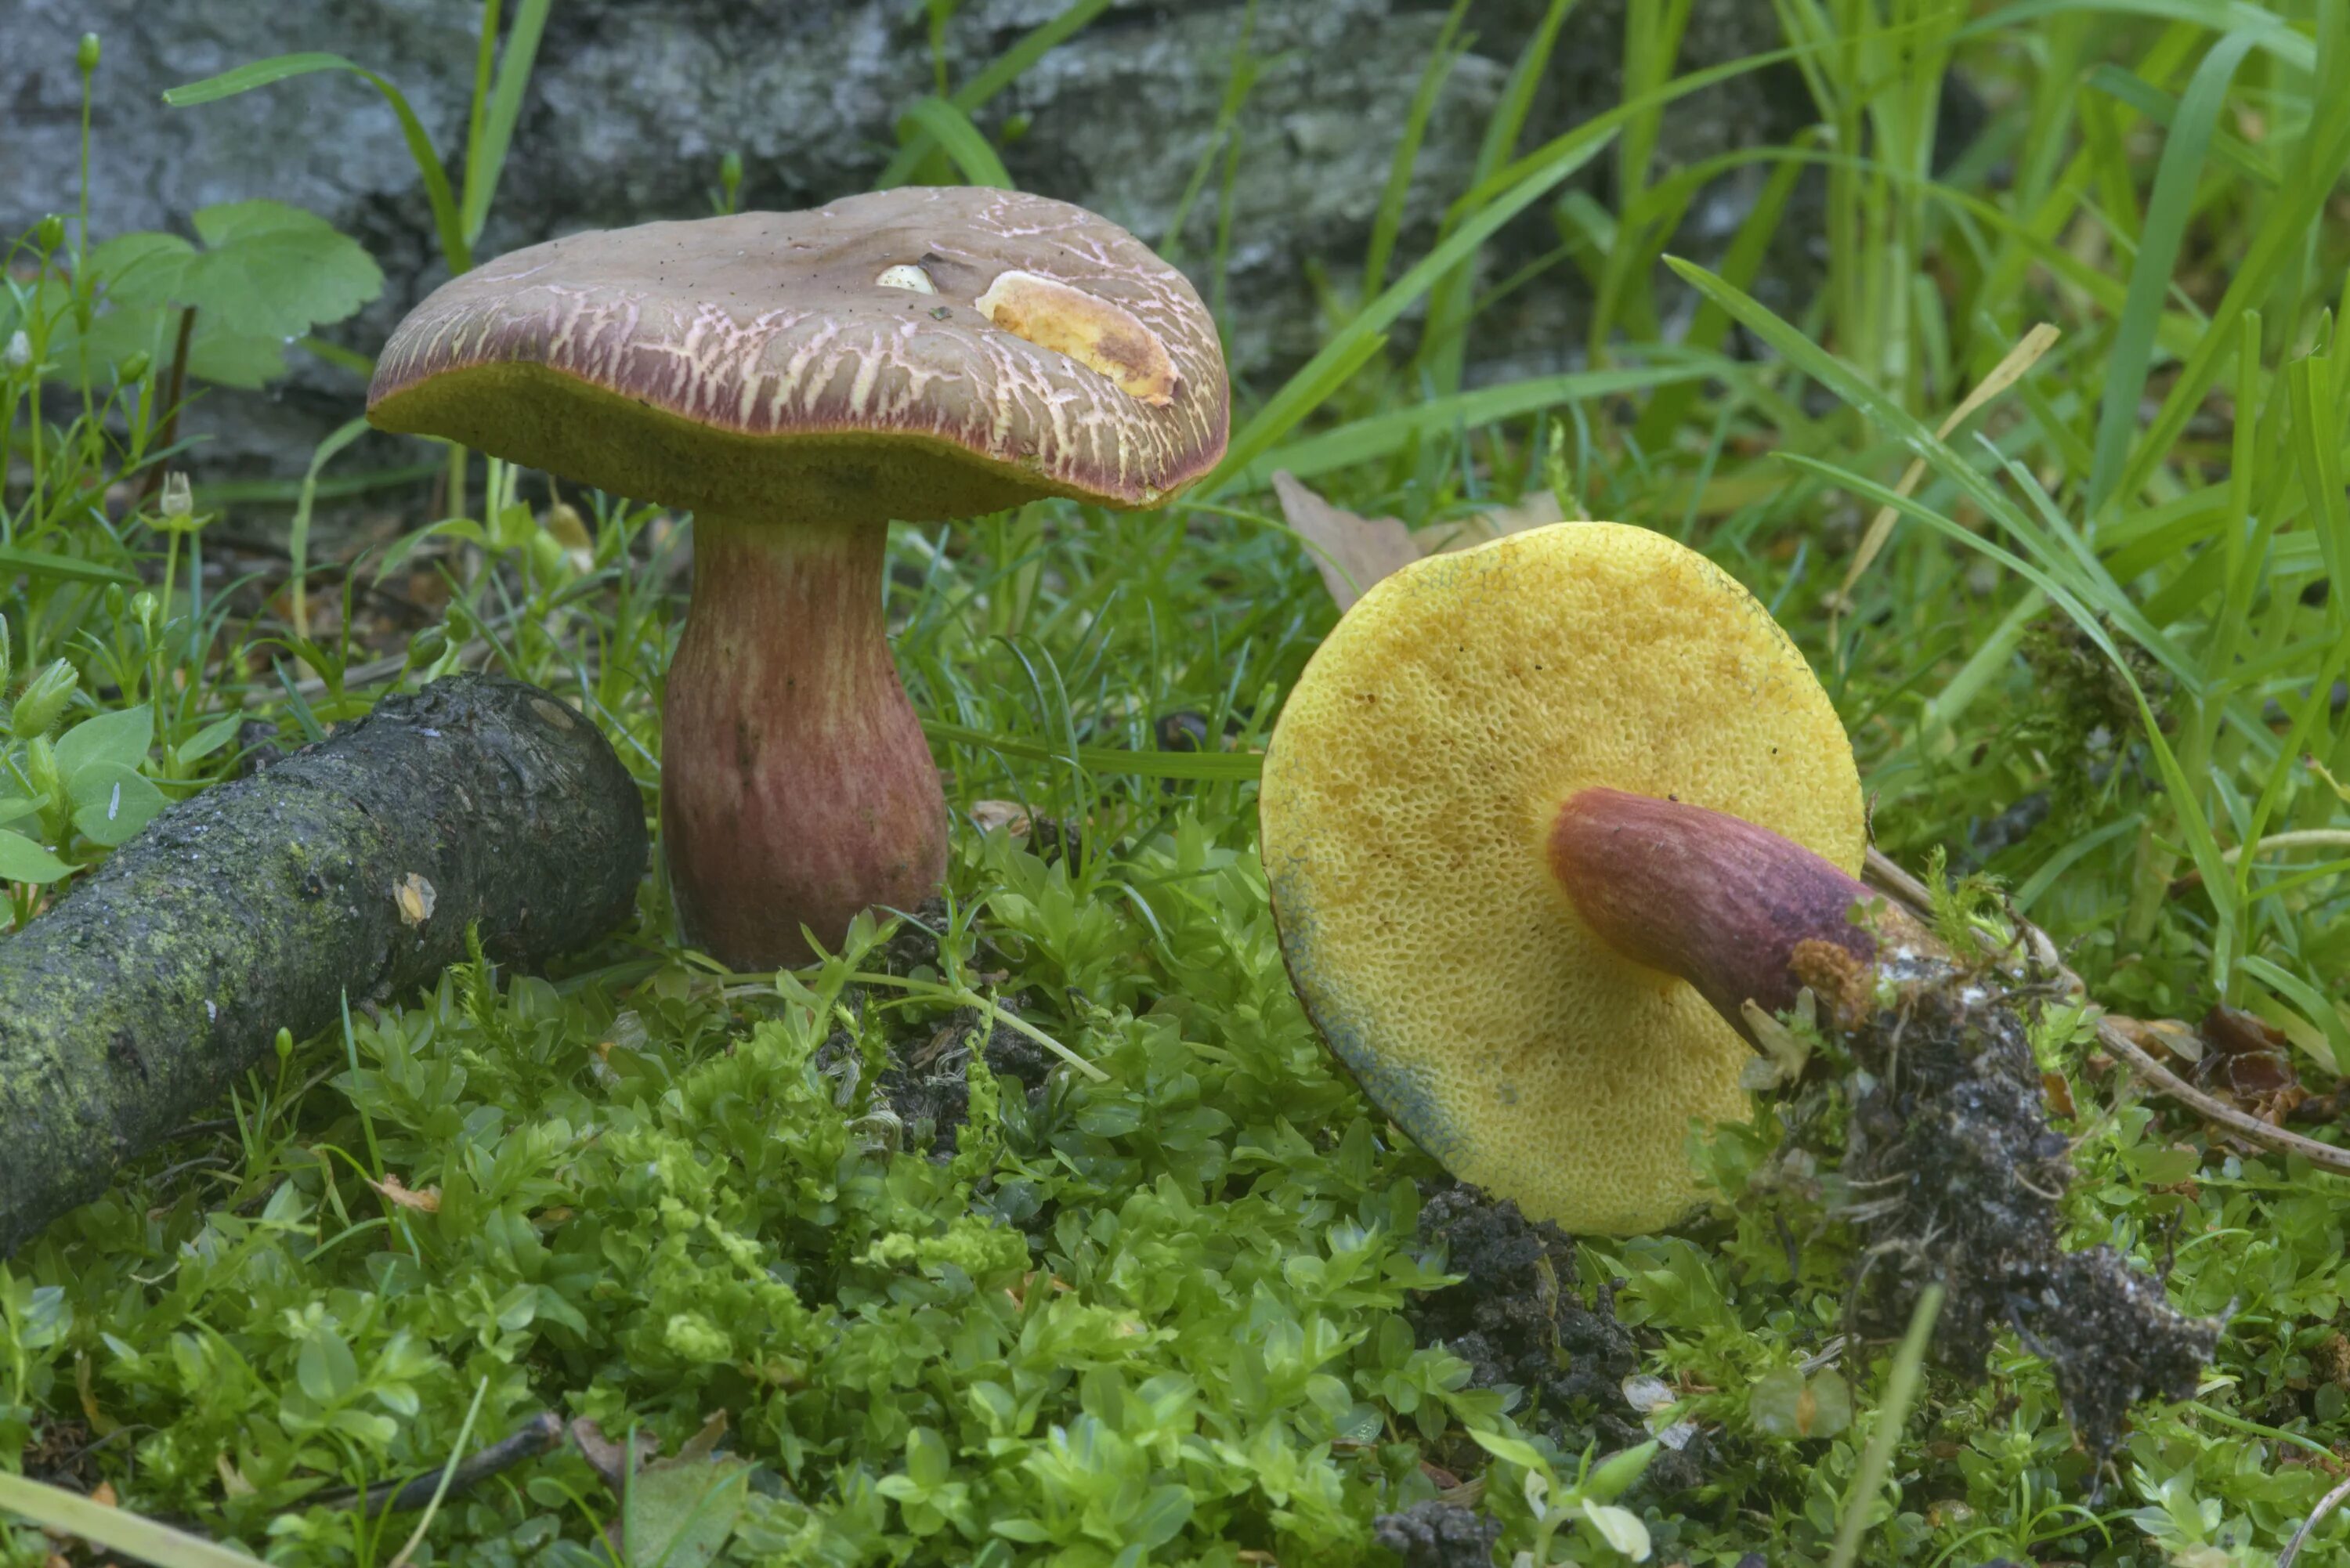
635 101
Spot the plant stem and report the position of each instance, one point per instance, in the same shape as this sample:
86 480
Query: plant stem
1900 1388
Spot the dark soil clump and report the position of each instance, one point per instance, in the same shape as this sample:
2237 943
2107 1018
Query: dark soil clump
1518 1318
927 1087
1436 1534
1950 1175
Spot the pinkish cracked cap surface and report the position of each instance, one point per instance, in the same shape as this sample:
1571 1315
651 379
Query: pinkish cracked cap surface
920 354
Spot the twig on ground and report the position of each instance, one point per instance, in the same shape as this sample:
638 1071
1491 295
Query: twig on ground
2325 1505
543 1433
2113 1031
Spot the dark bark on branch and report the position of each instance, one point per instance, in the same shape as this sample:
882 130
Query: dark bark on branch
260 903
541 1434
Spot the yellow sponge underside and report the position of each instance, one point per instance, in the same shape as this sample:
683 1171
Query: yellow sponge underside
1409 792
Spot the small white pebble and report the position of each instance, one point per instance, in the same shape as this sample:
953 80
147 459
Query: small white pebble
1645 1393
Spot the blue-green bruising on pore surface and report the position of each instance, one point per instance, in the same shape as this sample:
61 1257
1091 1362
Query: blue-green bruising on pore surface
1402 1091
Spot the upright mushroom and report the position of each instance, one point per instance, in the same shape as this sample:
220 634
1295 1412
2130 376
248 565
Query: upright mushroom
797 380
1431 776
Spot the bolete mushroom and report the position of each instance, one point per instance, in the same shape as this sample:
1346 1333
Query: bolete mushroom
1449 750
797 380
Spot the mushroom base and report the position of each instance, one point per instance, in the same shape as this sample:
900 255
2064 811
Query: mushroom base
1925 1098
796 787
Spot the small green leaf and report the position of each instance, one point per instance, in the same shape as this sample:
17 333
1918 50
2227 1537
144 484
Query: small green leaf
1786 1404
1164 1515
1610 1477
1518 1451
928 1462
1620 1528
679 1511
112 802
325 1366
22 860
141 269
209 739
273 271
121 738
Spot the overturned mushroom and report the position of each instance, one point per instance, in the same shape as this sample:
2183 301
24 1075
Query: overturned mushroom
799 379
1954 1174
1411 792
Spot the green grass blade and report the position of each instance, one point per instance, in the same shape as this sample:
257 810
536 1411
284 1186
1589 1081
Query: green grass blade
1206 766
1740 268
2284 231
485 73
2162 109
998 73
42 565
2316 437
1313 382
949 130
455 248
1240 81
1444 346
486 152
1900 1390
1387 223
55 1508
297 543
2273 34
2307 1000
1379 434
2167 215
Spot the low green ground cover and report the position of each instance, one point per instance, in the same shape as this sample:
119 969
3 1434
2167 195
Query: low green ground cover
960 1301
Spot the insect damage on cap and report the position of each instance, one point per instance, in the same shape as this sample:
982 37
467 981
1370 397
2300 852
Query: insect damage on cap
919 353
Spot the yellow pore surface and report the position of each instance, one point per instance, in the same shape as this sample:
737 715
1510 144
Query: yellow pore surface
1409 792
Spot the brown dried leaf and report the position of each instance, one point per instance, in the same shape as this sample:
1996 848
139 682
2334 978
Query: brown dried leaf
1351 552
425 1199
987 815
607 1457
2248 1059
1535 509
2058 1092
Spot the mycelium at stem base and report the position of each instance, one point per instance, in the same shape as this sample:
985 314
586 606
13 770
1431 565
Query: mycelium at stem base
1950 1172
796 787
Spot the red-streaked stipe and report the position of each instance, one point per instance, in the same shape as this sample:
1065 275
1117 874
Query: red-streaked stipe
1704 896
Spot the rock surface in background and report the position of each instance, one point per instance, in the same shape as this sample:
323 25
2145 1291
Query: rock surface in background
634 102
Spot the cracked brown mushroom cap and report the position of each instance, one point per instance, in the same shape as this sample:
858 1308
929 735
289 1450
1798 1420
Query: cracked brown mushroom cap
920 354
799 380
1440 822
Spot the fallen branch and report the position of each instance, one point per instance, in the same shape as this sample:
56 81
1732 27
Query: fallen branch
541 1434
353 869
2113 1031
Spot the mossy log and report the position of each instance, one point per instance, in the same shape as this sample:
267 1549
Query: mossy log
354 867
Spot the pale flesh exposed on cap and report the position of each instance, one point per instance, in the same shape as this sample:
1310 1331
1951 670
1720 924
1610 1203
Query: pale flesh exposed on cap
1412 792
799 379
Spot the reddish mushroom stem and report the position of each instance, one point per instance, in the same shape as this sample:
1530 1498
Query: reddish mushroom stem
1731 908
796 787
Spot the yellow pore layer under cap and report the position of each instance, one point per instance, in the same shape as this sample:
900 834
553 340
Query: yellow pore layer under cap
1407 794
